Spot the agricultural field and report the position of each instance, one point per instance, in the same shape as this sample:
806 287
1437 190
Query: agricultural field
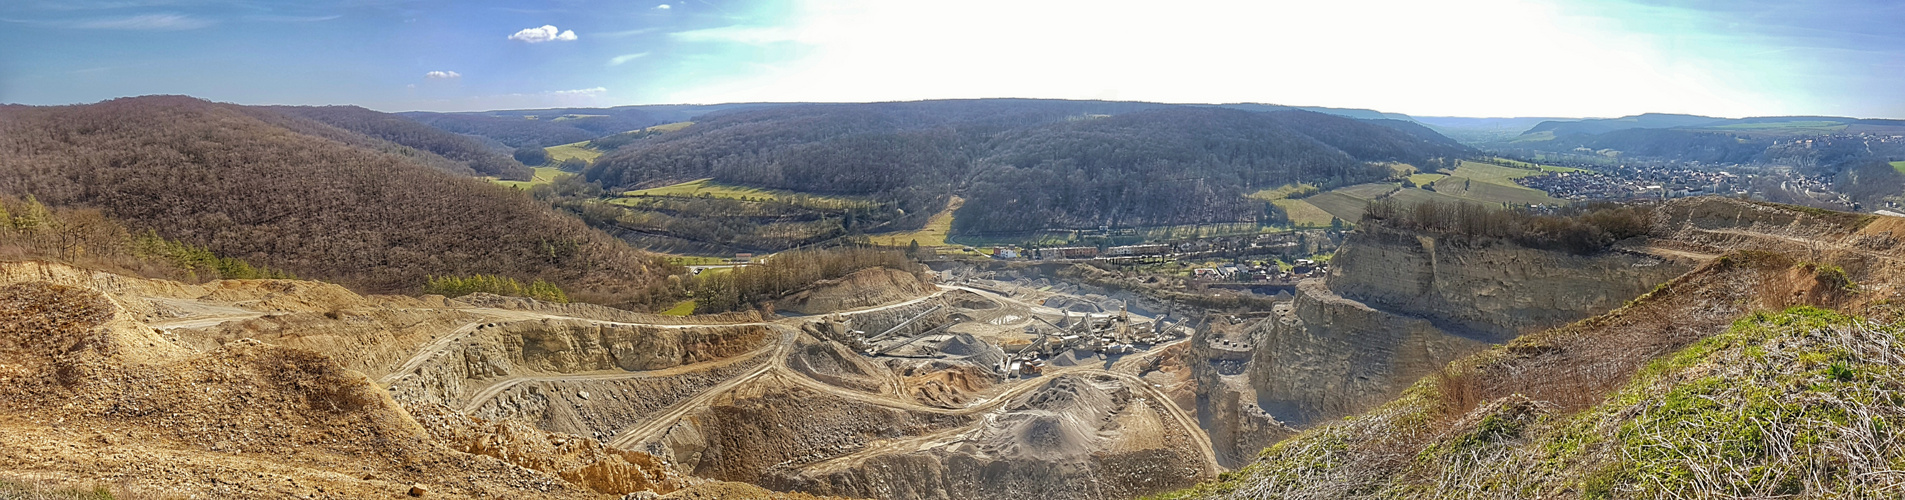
1488 192
1302 213
1899 166
1365 192
1497 174
577 150
1471 182
711 189
1482 182
1280 192
670 127
1340 205
1426 179
1408 197
544 175
932 235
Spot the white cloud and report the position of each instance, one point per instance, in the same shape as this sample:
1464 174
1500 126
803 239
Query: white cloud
662 7
579 92
618 60
752 35
147 22
547 33
442 75
620 34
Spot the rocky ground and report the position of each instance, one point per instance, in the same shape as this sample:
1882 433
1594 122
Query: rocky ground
301 389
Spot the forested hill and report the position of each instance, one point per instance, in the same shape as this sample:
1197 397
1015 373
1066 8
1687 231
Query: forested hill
293 194
470 153
550 127
1028 164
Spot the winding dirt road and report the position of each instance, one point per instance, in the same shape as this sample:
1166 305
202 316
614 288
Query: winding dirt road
655 427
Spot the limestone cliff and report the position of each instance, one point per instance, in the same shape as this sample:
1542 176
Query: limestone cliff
1491 290
1332 356
1398 305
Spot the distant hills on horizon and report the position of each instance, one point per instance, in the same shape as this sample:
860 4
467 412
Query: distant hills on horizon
594 122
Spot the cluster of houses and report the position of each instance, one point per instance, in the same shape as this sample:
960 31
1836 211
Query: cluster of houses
1638 182
1077 252
1302 268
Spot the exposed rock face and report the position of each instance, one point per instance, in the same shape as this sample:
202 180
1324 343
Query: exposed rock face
1490 290
1397 306
1333 356
865 288
503 350
95 395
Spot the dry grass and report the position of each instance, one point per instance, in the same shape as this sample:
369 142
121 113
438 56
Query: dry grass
577 150
934 234
28 490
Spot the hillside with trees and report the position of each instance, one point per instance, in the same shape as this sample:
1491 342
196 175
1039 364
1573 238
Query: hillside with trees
233 181
1024 165
464 150
549 127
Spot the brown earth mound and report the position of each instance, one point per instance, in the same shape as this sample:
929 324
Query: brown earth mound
97 397
866 288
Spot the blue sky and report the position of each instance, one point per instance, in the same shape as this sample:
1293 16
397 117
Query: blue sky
1463 58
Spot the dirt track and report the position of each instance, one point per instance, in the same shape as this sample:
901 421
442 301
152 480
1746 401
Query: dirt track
776 366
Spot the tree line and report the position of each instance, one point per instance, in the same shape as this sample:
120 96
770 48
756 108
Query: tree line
1582 229
87 238
785 273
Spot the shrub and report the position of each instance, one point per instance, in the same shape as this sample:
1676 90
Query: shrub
458 286
1582 230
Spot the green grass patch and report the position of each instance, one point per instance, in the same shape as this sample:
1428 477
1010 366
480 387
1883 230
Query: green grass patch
1426 179
707 188
1340 205
1411 197
1899 166
544 175
682 308
1489 192
1368 191
577 150
1302 213
1495 174
934 234
670 127
696 260
1348 202
1281 192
